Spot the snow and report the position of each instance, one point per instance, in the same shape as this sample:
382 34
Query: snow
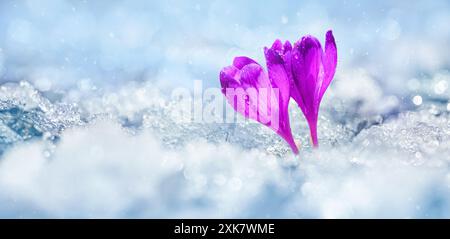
89 125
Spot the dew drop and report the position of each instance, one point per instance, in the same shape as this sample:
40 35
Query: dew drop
440 87
417 100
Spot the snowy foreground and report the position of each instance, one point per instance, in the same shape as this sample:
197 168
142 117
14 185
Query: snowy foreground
59 161
87 126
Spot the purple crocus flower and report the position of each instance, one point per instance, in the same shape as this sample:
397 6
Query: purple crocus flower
265 97
312 70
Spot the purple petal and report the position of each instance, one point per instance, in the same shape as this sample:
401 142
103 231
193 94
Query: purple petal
241 61
244 84
329 62
229 78
287 47
240 88
294 93
312 72
253 75
277 72
307 72
279 79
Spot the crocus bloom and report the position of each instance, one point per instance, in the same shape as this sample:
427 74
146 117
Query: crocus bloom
311 74
268 104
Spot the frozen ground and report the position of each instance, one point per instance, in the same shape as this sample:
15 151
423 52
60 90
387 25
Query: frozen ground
87 130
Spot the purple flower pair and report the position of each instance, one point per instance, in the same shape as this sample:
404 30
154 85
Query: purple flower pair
303 71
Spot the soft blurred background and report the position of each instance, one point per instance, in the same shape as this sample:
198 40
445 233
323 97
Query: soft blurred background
86 127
